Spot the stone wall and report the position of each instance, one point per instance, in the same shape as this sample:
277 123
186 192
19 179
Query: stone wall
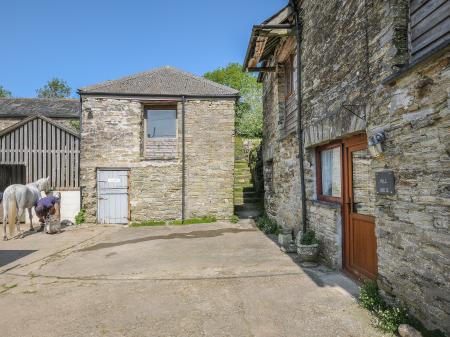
348 49
413 226
112 136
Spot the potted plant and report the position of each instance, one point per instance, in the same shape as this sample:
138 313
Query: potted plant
307 246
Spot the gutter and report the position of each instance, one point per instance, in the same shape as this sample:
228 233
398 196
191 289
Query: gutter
234 96
298 34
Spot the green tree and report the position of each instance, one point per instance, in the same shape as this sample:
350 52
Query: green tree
249 119
4 93
55 88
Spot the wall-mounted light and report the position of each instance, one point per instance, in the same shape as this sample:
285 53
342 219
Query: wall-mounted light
89 113
375 144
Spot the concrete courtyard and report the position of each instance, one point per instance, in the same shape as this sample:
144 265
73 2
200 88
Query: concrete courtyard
216 280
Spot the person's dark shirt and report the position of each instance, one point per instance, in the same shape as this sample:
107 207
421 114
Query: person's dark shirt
47 202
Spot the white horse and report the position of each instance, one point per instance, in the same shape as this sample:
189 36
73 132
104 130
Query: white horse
18 197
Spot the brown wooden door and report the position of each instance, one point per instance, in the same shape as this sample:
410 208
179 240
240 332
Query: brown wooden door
360 245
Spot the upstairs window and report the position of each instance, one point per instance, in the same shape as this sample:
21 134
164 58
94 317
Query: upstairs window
161 122
289 75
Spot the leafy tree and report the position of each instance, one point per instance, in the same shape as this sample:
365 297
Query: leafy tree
4 93
55 88
249 119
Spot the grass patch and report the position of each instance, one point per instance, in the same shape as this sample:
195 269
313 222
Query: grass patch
7 287
206 219
267 225
148 223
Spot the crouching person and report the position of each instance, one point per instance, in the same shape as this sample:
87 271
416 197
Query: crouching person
48 210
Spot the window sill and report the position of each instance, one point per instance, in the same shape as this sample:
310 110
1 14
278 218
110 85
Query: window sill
327 204
435 52
159 159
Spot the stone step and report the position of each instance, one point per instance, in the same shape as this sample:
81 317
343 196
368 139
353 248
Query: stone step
249 201
248 210
241 166
242 189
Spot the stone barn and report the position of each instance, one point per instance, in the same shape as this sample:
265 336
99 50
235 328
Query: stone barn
157 145
40 138
356 139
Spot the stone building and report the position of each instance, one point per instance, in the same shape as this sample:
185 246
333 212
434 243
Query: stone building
64 111
374 132
157 145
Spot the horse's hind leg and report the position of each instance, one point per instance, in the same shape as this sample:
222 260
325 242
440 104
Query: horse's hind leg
19 215
5 217
30 215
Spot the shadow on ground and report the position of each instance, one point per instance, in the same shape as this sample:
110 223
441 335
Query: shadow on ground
8 256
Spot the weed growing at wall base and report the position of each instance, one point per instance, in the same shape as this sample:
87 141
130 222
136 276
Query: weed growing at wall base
267 225
80 217
387 318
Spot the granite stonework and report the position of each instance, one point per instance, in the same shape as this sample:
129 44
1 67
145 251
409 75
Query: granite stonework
113 136
348 49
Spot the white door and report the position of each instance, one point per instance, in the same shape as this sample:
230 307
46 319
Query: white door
112 205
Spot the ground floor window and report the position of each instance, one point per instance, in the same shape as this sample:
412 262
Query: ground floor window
329 172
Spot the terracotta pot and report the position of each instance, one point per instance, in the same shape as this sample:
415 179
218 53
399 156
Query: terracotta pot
308 253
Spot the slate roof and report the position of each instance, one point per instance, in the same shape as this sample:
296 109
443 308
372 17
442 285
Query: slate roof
164 81
53 108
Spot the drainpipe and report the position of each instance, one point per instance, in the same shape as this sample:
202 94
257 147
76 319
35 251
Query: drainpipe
183 160
79 151
298 35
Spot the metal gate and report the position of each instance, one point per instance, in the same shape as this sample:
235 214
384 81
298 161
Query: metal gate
113 203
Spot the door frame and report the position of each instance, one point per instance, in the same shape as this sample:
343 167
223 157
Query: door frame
97 169
354 143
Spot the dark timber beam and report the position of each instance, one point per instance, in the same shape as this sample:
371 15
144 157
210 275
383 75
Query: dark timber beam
261 69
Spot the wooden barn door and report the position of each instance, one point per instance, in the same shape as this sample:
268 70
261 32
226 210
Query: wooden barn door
113 201
360 251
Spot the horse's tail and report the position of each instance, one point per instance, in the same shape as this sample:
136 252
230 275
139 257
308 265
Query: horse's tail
12 210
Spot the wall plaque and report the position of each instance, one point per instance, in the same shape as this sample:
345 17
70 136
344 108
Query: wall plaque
385 182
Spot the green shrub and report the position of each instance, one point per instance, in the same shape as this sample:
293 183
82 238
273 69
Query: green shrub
148 223
388 319
234 219
309 238
267 225
80 217
206 219
369 298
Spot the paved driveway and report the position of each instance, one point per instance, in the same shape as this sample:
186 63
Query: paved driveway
214 280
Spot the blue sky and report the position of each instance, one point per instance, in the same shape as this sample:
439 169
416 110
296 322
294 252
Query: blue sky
86 42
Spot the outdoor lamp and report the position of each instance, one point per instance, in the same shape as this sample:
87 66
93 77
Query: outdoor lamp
375 141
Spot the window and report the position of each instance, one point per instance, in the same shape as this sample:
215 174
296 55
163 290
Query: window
329 175
289 75
161 122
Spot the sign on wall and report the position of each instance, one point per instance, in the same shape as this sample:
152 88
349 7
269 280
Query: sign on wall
385 182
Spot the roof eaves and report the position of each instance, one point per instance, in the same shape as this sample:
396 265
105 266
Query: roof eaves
32 117
121 94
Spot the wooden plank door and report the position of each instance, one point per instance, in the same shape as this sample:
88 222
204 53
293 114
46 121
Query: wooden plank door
113 192
360 251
